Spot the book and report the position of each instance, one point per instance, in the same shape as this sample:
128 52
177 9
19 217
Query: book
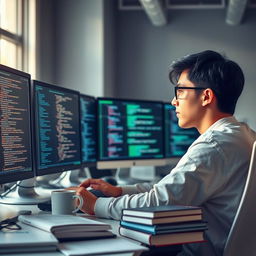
163 211
162 239
68 227
162 220
166 228
101 247
26 240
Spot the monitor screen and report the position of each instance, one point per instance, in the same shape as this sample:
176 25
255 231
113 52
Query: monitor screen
57 128
88 123
177 140
15 127
130 130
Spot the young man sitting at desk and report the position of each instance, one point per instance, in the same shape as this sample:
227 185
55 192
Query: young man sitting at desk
212 173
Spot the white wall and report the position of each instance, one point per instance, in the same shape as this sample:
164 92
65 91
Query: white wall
109 40
79 45
45 41
89 46
145 52
76 45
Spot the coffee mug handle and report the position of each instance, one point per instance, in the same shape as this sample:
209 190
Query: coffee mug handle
81 202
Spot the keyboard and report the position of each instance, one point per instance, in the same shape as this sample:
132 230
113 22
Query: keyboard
51 186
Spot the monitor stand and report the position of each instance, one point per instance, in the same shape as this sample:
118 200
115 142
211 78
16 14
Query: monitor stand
73 178
23 193
122 176
136 174
144 174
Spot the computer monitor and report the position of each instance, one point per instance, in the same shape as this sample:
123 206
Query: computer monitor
57 128
177 140
130 133
16 159
15 131
88 122
88 129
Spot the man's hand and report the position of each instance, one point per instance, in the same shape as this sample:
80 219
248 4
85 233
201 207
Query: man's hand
89 200
103 186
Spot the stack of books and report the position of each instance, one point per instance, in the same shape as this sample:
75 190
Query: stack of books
163 225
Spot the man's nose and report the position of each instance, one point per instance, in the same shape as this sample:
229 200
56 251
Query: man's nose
174 102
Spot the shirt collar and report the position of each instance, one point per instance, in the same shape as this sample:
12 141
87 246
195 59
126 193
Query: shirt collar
222 121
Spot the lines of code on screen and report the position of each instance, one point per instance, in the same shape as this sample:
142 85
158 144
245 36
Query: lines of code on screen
15 144
88 128
177 140
130 130
57 127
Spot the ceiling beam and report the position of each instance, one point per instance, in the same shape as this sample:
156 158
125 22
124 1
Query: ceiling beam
235 11
155 11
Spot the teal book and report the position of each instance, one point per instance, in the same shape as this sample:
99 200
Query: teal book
166 228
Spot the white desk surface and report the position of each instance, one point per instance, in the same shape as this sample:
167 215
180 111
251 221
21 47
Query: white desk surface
8 211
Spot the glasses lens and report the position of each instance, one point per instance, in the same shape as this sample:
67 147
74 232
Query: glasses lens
179 90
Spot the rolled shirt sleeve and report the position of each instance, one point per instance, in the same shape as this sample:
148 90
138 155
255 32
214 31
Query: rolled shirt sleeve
137 188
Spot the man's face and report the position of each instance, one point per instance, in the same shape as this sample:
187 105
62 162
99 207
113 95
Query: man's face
187 104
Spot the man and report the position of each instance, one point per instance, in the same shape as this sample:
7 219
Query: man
212 173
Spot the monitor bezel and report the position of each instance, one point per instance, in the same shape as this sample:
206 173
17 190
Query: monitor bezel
89 163
55 169
129 162
13 176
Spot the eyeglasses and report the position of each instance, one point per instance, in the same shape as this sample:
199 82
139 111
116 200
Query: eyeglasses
178 90
10 224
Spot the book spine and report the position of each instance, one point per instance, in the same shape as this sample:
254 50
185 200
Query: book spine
153 230
137 236
139 227
35 225
159 212
157 221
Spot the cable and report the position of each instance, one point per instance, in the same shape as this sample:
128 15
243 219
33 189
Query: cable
13 187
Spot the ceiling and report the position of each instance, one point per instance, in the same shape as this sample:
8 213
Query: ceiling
157 9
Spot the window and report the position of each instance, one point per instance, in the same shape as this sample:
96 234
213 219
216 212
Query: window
17 34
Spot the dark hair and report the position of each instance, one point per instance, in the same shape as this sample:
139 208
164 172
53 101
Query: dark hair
210 69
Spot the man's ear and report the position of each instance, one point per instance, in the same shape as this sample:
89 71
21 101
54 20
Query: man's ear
207 97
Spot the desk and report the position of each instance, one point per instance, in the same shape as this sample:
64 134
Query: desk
8 211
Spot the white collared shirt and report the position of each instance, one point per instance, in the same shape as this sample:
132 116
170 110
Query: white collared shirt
211 174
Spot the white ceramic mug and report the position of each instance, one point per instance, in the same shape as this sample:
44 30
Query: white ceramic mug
64 202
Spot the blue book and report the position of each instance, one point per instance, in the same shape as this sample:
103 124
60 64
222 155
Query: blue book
166 228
